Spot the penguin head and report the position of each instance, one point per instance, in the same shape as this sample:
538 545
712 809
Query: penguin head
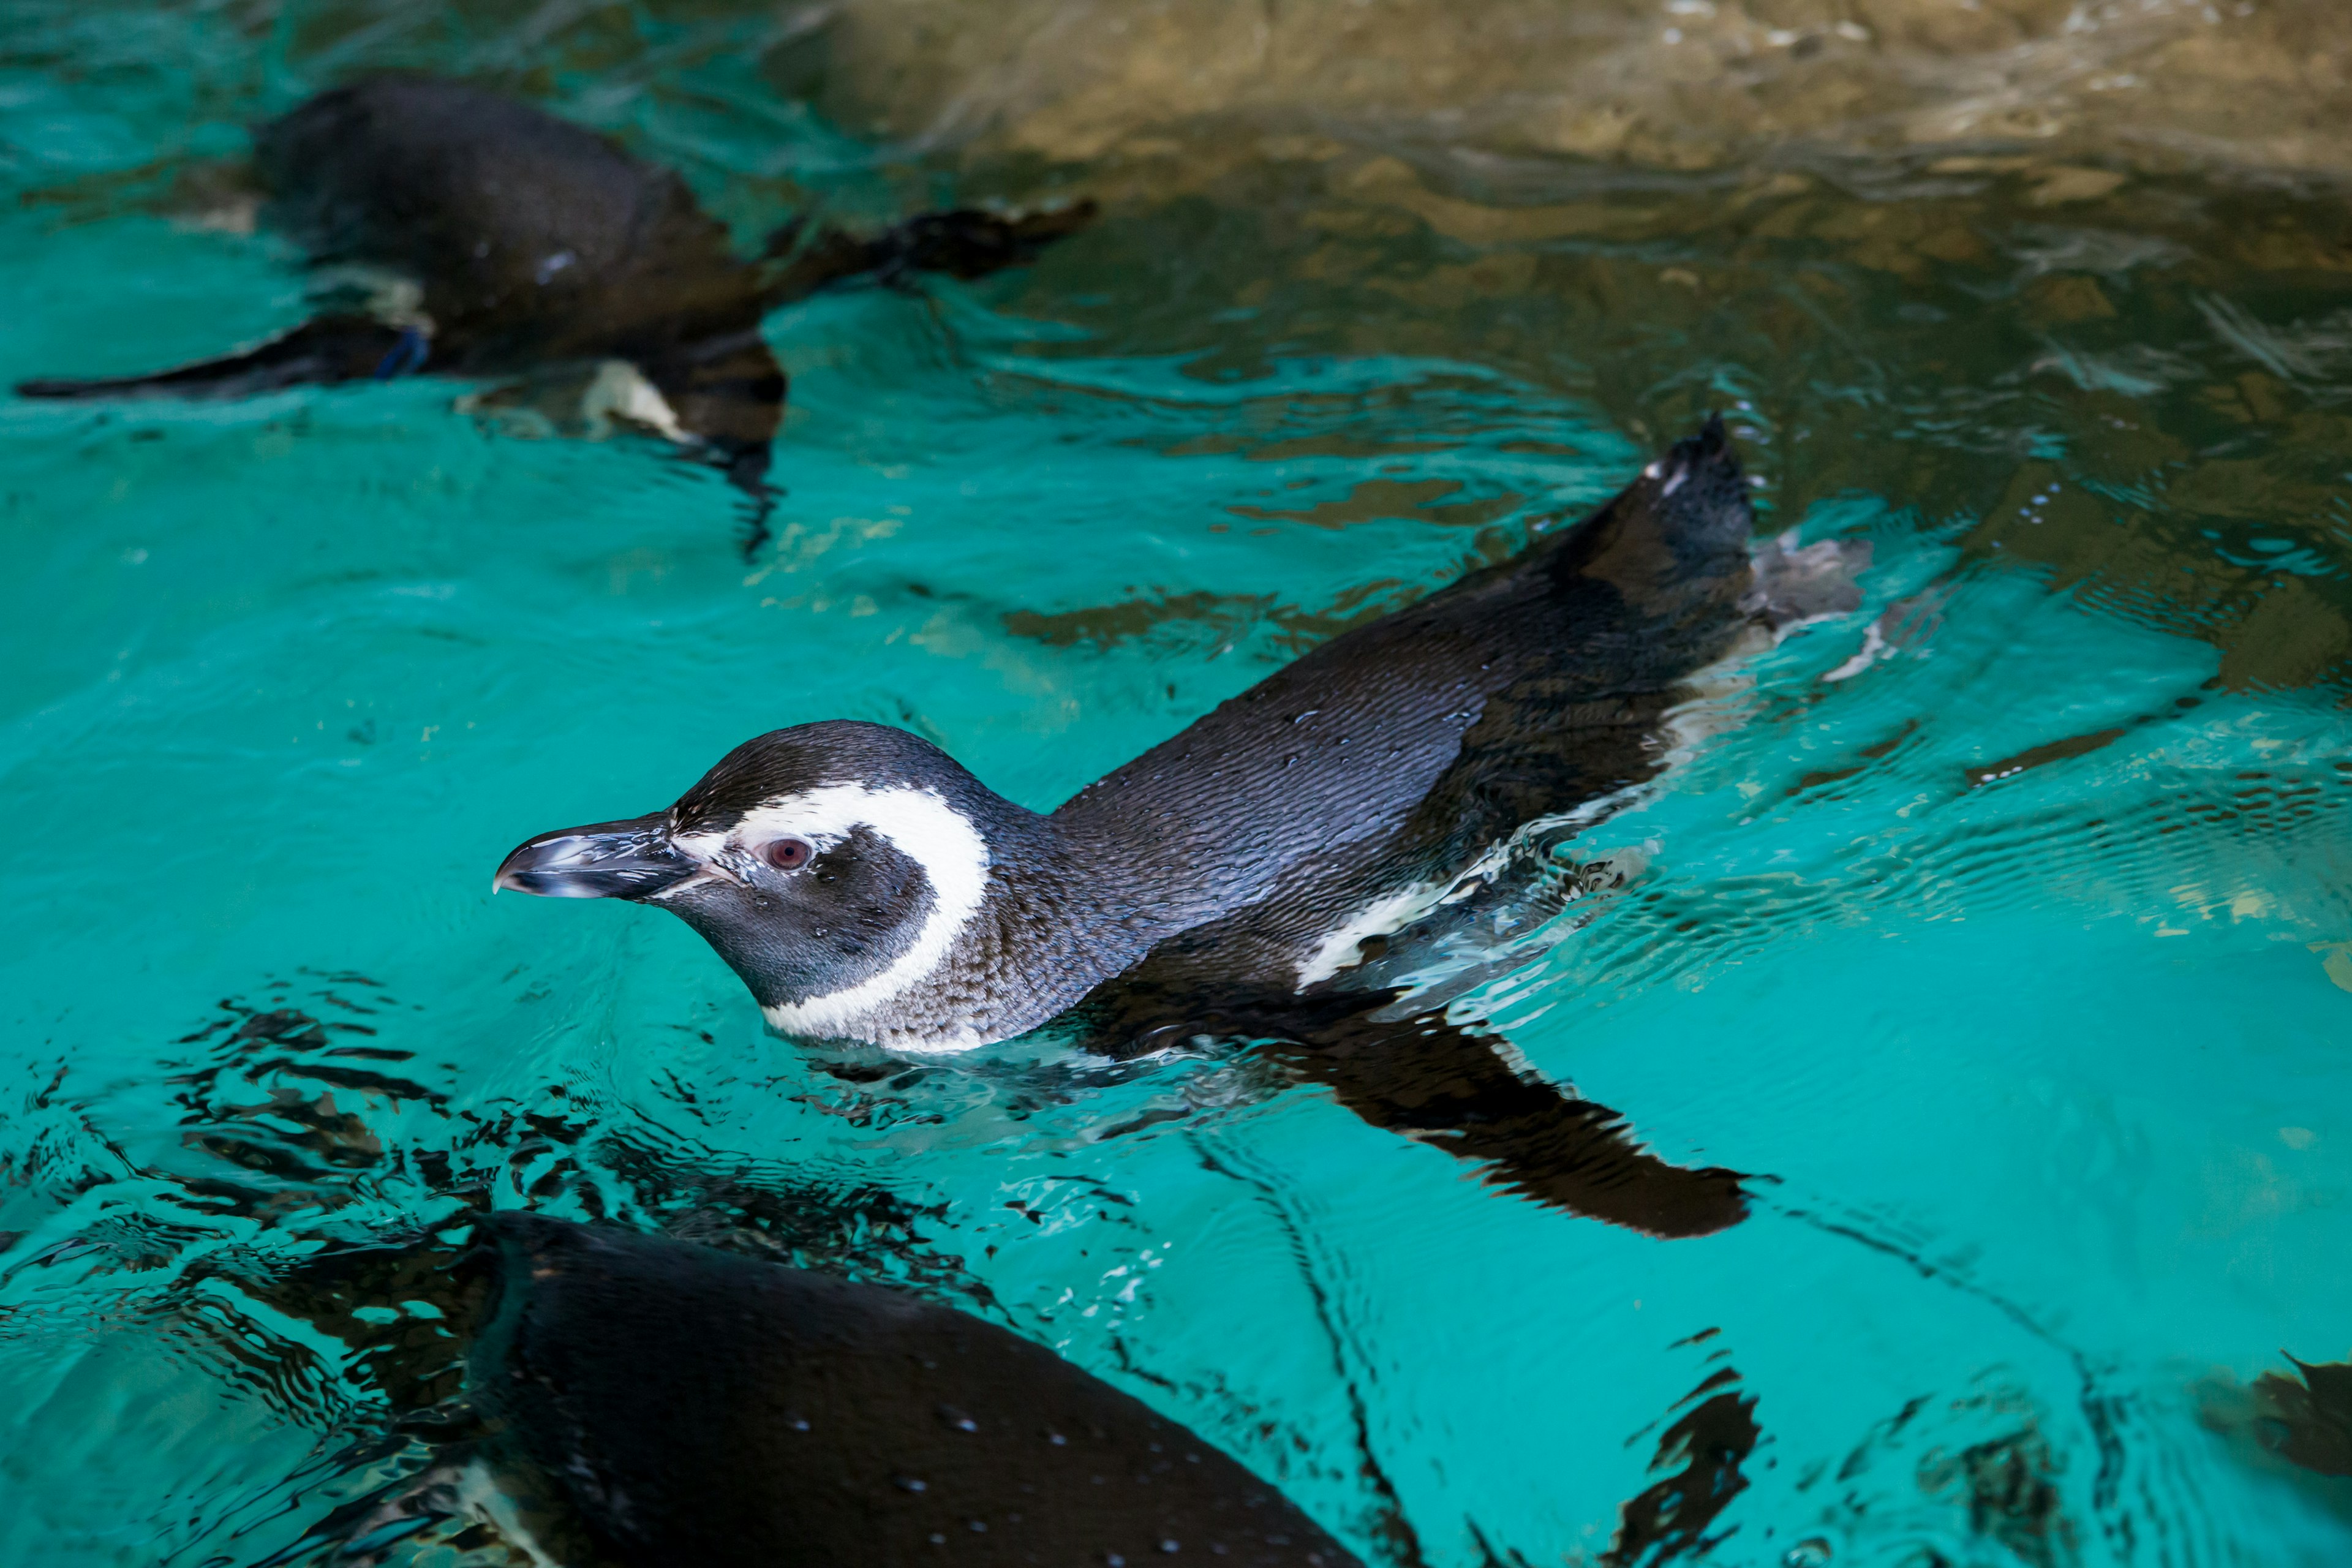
833 866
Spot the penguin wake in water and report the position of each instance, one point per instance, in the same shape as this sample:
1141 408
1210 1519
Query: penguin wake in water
475 236
1277 870
634 1401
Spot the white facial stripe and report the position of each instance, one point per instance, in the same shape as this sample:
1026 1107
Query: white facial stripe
920 826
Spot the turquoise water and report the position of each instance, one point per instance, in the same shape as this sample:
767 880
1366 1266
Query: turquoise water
2003 925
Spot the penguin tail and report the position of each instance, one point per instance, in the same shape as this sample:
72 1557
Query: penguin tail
1673 542
963 242
325 349
1698 493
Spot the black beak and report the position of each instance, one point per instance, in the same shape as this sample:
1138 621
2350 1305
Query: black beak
632 859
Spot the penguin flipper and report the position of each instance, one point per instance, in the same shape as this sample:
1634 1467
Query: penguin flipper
968 243
322 351
1441 1085
963 242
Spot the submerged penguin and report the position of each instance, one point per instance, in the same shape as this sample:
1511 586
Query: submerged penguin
634 1402
1277 870
472 235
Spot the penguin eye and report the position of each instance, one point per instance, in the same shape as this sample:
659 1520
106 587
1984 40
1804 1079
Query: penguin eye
786 854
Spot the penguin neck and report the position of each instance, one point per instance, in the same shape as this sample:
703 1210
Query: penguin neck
1067 907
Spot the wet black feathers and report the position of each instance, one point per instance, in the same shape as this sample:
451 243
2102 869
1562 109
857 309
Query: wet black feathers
1395 756
697 1407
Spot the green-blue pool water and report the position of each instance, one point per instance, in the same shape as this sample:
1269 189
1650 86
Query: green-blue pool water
2001 926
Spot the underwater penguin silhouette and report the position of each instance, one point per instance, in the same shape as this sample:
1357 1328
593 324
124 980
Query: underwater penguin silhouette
1289 868
636 1402
477 236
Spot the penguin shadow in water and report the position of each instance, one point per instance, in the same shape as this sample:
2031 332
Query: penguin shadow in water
1287 870
454 232
636 1402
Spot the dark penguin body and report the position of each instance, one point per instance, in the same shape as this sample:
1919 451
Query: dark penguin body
512 240
643 1403
1240 879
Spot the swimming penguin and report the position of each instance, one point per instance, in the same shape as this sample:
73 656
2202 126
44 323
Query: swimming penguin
1246 876
634 1401
472 235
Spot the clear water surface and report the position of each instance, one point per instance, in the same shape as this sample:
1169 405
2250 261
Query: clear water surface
2003 925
